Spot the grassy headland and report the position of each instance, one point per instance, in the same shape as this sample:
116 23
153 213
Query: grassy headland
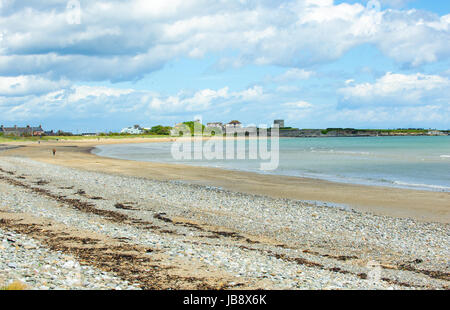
5 139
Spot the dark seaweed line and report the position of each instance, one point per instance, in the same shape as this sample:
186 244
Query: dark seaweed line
122 218
129 262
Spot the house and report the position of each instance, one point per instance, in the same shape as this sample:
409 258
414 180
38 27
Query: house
50 133
21 131
234 124
37 131
215 125
435 133
234 127
135 130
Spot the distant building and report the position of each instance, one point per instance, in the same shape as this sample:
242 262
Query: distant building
50 133
234 124
135 130
216 124
21 131
233 127
435 133
279 122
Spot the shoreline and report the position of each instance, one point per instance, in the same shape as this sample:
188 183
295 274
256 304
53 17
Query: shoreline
421 205
332 179
177 235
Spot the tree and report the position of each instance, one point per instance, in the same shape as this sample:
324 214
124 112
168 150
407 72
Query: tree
160 130
191 126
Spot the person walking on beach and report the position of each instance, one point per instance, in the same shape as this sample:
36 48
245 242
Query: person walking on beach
54 152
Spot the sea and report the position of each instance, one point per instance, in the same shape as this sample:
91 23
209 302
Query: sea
414 162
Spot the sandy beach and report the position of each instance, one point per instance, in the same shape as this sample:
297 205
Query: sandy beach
117 224
416 204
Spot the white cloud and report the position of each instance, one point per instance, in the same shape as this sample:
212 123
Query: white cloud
201 100
254 93
395 3
398 89
427 116
114 108
414 37
350 81
85 92
125 40
298 105
43 58
78 102
206 99
28 85
293 75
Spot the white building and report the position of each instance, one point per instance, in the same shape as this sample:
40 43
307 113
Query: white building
215 125
135 130
435 133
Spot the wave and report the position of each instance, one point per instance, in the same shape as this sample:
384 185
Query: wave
341 152
383 172
438 187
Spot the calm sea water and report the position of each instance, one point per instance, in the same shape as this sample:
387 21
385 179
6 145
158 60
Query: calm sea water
410 162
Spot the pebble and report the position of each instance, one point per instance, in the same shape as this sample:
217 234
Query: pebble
301 225
29 267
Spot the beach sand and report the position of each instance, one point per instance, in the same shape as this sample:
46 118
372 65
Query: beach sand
117 224
395 202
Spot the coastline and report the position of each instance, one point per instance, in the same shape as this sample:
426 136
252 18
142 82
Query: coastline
288 167
117 224
395 202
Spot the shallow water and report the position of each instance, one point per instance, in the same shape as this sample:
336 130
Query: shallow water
408 162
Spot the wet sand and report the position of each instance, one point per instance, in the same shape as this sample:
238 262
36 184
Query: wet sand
420 205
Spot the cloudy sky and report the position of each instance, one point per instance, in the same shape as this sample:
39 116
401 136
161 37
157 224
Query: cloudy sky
314 63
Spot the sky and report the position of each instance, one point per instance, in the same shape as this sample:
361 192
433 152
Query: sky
90 66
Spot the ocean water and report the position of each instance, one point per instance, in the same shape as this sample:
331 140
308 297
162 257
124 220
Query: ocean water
407 162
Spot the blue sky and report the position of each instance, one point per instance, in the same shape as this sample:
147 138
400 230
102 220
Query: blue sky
314 63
